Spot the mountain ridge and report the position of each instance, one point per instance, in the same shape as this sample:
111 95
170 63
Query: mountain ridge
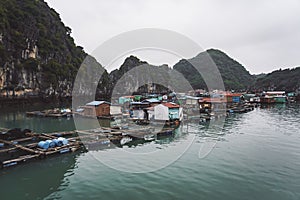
227 67
38 54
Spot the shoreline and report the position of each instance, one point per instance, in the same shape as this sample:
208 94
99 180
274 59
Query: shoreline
23 101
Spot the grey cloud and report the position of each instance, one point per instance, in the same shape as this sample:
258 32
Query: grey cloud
261 34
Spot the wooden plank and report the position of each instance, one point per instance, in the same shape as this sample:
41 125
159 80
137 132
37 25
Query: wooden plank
18 146
94 137
61 134
27 149
99 133
21 158
9 149
31 145
6 142
24 139
48 136
44 137
59 149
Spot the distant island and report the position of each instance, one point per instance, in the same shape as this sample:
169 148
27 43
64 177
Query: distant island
38 58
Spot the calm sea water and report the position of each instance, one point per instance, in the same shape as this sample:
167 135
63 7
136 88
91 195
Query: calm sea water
255 156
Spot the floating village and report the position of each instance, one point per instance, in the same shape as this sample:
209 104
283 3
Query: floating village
132 118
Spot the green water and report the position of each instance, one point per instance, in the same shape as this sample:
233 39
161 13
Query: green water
256 156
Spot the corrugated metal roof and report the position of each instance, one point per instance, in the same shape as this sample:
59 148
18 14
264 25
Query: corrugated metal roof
97 103
191 97
139 103
275 92
152 100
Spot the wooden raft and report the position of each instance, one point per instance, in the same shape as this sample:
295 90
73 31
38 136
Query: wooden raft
16 151
13 152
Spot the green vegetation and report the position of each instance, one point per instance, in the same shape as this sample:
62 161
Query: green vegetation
234 75
287 79
34 39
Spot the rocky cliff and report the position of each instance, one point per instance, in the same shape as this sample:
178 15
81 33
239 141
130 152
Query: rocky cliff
37 53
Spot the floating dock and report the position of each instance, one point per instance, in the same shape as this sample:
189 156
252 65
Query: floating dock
56 113
230 109
18 146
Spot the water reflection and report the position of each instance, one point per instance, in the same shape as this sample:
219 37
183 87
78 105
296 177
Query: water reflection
277 127
37 179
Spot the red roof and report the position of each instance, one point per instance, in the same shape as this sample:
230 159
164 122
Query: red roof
171 105
212 100
130 97
234 94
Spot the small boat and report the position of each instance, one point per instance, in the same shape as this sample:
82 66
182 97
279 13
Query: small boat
149 137
125 140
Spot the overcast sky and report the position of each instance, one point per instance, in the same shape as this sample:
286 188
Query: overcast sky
263 35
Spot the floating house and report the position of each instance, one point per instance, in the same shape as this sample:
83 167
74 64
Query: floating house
168 111
125 99
137 97
138 110
267 99
291 96
273 97
207 105
161 112
115 110
252 98
152 101
233 97
192 101
97 108
190 104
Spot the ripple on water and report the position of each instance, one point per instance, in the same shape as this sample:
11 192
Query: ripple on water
254 156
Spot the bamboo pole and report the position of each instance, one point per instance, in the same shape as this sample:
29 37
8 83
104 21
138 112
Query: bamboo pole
19 146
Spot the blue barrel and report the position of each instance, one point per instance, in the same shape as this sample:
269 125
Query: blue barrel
51 143
57 142
43 144
64 141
